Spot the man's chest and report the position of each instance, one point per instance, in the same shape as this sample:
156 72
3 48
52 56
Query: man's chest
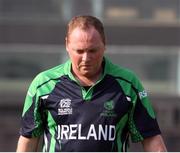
68 104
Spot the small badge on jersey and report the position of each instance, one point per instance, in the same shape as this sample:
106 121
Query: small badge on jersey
108 109
142 94
65 107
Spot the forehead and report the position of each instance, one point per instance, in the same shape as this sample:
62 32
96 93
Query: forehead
89 34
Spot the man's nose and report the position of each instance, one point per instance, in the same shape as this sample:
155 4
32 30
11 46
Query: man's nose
86 56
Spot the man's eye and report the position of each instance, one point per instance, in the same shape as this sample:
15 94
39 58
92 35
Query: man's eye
79 51
93 50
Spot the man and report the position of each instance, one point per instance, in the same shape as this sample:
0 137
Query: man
87 103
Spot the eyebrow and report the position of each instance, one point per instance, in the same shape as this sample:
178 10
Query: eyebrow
91 48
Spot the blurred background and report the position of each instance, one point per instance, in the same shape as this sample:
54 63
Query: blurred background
143 35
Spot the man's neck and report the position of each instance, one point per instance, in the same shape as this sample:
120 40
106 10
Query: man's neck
88 80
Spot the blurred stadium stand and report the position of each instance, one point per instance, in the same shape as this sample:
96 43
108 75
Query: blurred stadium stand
143 35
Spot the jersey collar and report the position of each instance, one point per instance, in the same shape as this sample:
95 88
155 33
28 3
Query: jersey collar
67 69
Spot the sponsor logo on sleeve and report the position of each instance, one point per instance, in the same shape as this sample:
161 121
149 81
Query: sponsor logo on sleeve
142 94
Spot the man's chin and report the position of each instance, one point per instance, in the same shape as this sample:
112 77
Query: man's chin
87 73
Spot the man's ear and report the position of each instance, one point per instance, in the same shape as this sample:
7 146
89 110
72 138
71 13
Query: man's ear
66 42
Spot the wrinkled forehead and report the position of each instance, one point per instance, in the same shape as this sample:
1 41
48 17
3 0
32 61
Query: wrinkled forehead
90 35
87 33
81 39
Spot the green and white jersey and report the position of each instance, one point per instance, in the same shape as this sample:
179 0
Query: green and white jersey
98 119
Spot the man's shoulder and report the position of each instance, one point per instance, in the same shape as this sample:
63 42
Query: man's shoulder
126 77
118 71
53 73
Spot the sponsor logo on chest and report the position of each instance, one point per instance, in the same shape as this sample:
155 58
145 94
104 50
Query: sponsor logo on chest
65 107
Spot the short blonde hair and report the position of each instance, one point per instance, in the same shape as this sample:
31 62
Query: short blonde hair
85 22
